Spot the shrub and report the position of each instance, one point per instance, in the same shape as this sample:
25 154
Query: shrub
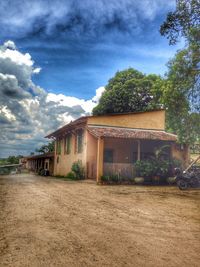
41 172
105 178
145 168
162 168
114 178
154 168
78 170
71 176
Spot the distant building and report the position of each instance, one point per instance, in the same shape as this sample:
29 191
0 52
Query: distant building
36 163
113 143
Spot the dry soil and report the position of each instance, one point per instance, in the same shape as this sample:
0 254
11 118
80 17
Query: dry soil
51 222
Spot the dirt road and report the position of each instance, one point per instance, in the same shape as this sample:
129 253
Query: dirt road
50 222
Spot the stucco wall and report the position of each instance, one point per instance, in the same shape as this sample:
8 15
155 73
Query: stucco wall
181 153
66 160
144 120
91 156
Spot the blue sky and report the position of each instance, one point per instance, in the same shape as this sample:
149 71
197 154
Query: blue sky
79 46
57 56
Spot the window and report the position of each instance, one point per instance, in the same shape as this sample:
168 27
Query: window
108 155
80 141
68 144
58 146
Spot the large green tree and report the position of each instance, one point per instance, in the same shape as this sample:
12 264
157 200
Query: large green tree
183 22
181 92
128 91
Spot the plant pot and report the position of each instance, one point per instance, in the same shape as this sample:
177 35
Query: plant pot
139 180
171 180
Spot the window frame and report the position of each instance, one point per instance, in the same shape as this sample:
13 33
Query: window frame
58 146
68 143
79 140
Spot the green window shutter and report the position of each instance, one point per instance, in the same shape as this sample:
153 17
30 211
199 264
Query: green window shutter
80 141
68 144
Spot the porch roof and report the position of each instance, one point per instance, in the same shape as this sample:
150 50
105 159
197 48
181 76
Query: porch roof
116 132
45 155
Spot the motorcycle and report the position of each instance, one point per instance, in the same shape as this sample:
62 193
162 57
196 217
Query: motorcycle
190 177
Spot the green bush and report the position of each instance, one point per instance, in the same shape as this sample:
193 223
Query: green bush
145 168
114 178
41 172
78 170
156 167
71 176
105 178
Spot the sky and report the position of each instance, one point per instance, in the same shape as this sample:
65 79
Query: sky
57 56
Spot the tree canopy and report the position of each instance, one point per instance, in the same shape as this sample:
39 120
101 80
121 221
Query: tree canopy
128 91
181 91
178 92
46 148
11 160
183 22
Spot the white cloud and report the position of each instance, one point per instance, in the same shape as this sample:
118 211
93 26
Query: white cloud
5 111
28 112
98 95
70 101
37 70
10 44
16 56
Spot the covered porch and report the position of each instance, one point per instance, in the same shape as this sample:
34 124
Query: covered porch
120 155
41 162
119 148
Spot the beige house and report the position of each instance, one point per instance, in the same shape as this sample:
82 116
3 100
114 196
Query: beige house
113 143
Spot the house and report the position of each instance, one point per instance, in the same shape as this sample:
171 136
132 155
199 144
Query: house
43 161
112 143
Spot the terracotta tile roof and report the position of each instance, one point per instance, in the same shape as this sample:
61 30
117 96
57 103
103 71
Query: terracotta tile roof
131 133
79 121
45 155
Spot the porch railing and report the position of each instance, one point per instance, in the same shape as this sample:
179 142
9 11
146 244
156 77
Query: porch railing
122 169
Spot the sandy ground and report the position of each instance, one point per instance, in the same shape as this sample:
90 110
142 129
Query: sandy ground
50 222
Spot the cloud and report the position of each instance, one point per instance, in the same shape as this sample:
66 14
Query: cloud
69 101
10 44
28 112
71 17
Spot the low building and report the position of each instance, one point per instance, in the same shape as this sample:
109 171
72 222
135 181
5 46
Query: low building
113 143
36 163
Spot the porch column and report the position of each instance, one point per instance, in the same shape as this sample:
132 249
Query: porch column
139 150
100 150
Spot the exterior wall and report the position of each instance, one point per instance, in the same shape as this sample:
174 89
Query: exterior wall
91 156
181 154
63 162
144 120
36 163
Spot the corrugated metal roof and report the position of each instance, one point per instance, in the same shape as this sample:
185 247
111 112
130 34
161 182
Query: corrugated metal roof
116 132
